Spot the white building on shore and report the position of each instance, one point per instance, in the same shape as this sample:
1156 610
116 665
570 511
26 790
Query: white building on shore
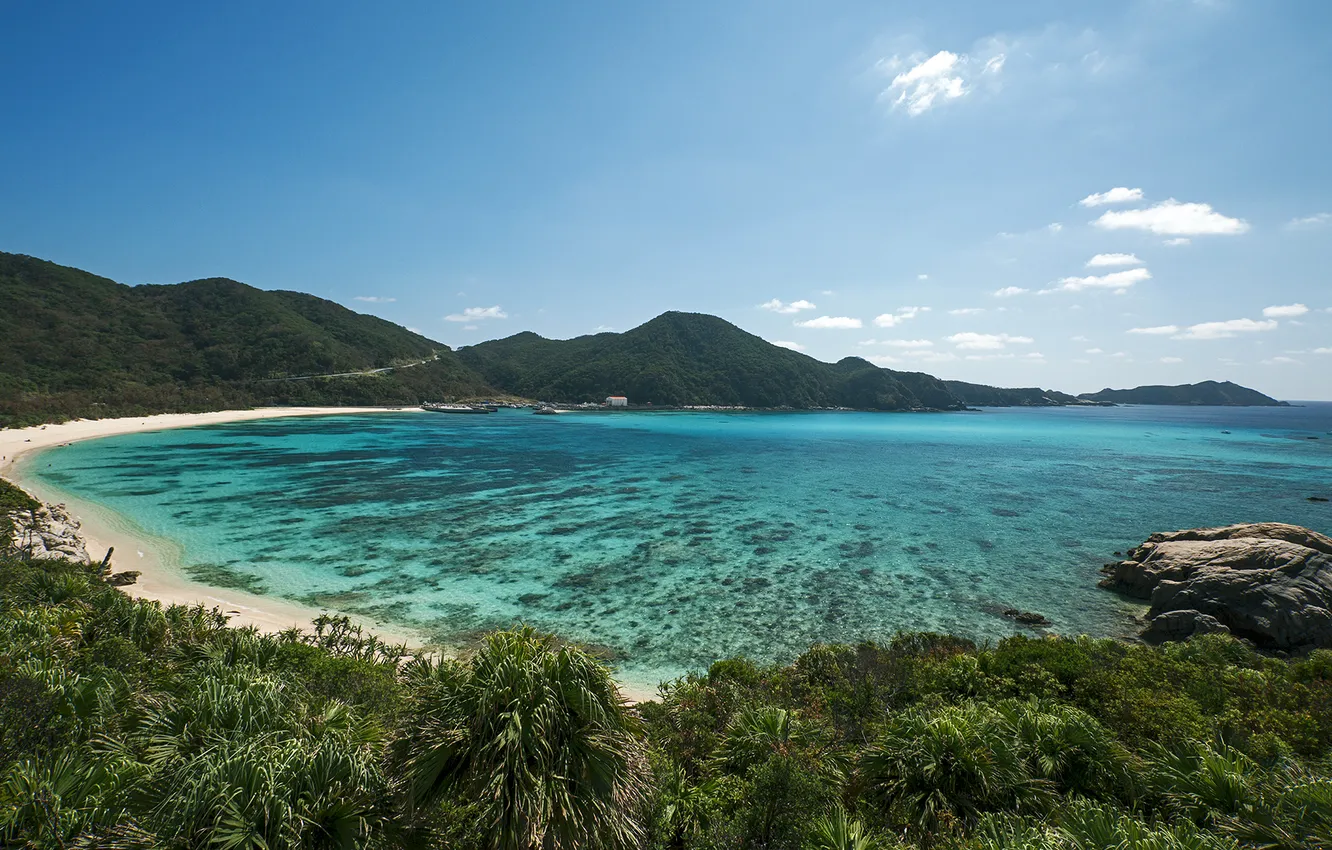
617 401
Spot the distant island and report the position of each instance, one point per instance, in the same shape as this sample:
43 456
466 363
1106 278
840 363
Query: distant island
1207 393
75 345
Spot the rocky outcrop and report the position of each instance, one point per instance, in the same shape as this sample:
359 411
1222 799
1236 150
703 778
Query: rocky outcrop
1270 583
48 532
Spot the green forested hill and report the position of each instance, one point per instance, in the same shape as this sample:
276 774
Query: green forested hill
75 344
985 396
1210 393
690 358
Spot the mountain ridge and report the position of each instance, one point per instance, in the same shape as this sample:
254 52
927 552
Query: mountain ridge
77 345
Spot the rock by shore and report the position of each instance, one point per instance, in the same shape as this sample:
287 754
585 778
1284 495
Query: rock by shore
49 532
1270 583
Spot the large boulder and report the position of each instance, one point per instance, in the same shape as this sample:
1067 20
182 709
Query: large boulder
1268 582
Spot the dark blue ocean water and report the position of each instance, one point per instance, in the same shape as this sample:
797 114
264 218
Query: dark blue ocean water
673 539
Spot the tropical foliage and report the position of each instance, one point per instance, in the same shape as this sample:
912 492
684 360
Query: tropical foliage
126 724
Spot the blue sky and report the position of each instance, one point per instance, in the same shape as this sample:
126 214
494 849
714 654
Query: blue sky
1071 195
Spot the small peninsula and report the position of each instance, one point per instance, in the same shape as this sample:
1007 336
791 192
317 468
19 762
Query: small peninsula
1206 393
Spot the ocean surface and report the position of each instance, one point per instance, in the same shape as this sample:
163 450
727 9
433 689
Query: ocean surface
670 540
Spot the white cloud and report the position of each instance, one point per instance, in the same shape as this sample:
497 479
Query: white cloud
1280 361
907 343
1158 330
931 356
922 277
471 328
601 329
1180 240
472 314
1172 218
1287 311
374 299
1009 291
826 292
1226 329
831 323
1079 338
1114 280
1309 222
974 341
1117 195
933 80
1054 227
782 343
1172 359
882 359
1323 351
1094 351
1113 260
777 306
1120 354
891 320
966 311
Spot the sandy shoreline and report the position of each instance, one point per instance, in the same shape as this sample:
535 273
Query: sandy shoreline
157 560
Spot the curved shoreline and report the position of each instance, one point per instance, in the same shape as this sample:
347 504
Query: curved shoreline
158 560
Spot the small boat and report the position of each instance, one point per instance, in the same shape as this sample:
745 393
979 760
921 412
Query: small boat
454 408
547 411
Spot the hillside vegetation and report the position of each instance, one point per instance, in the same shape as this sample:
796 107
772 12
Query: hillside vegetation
76 345
124 724
691 358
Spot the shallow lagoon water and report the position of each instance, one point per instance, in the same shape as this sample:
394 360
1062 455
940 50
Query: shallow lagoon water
674 539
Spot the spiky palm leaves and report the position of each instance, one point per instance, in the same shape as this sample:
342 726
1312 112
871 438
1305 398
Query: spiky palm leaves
932 768
242 763
537 733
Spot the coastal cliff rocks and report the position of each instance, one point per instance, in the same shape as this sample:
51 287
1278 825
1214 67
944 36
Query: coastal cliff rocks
48 532
1270 583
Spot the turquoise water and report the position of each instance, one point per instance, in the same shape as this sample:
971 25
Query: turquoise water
674 539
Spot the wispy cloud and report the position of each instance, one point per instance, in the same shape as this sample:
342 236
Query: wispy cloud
1118 281
374 299
1226 329
1177 241
1113 260
973 341
897 317
1117 195
920 83
1282 361
966 311
1009 291
1173 218
1158 330
1285 311
474 314
1309 222
782 343
777 306
831 323
900 343
1172 359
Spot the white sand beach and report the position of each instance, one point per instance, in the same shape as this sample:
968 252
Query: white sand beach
158 560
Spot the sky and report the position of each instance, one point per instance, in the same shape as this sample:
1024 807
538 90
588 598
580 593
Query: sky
1029 193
